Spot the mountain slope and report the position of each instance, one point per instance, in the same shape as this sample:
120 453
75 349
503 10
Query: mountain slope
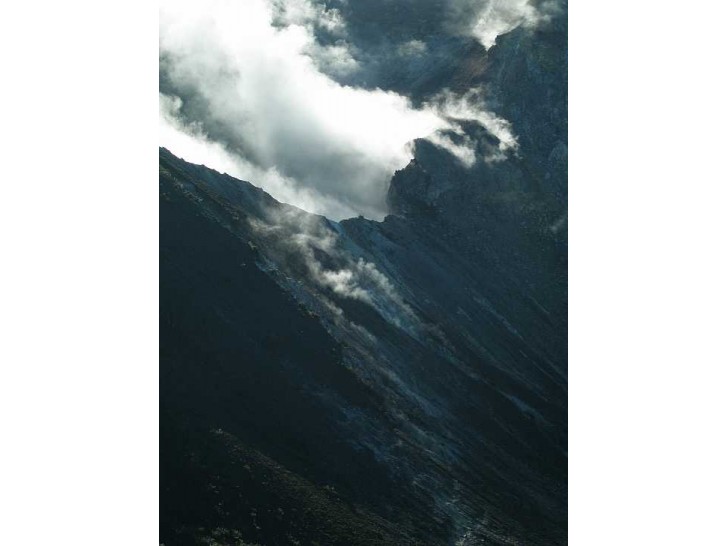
394 382
416 374
235 354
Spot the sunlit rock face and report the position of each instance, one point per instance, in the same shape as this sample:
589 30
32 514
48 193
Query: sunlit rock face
362 382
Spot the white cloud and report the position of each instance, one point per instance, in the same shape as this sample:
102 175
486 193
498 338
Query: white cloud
457 109
257 102
308 13
486 20
413 48
261 89
192 144
468 107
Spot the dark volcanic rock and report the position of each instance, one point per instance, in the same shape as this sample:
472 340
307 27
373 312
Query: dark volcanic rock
238 354
418 372
360 382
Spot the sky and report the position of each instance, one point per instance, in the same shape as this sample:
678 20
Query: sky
253 88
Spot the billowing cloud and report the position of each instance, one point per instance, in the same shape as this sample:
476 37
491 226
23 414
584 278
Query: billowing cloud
310 14
190 142
488 19
248 90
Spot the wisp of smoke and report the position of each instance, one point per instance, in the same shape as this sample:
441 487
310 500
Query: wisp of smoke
294 238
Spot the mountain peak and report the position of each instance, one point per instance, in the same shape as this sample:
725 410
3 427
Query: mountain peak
408 190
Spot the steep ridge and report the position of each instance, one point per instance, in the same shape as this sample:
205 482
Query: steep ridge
361 382
239 359
451 391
